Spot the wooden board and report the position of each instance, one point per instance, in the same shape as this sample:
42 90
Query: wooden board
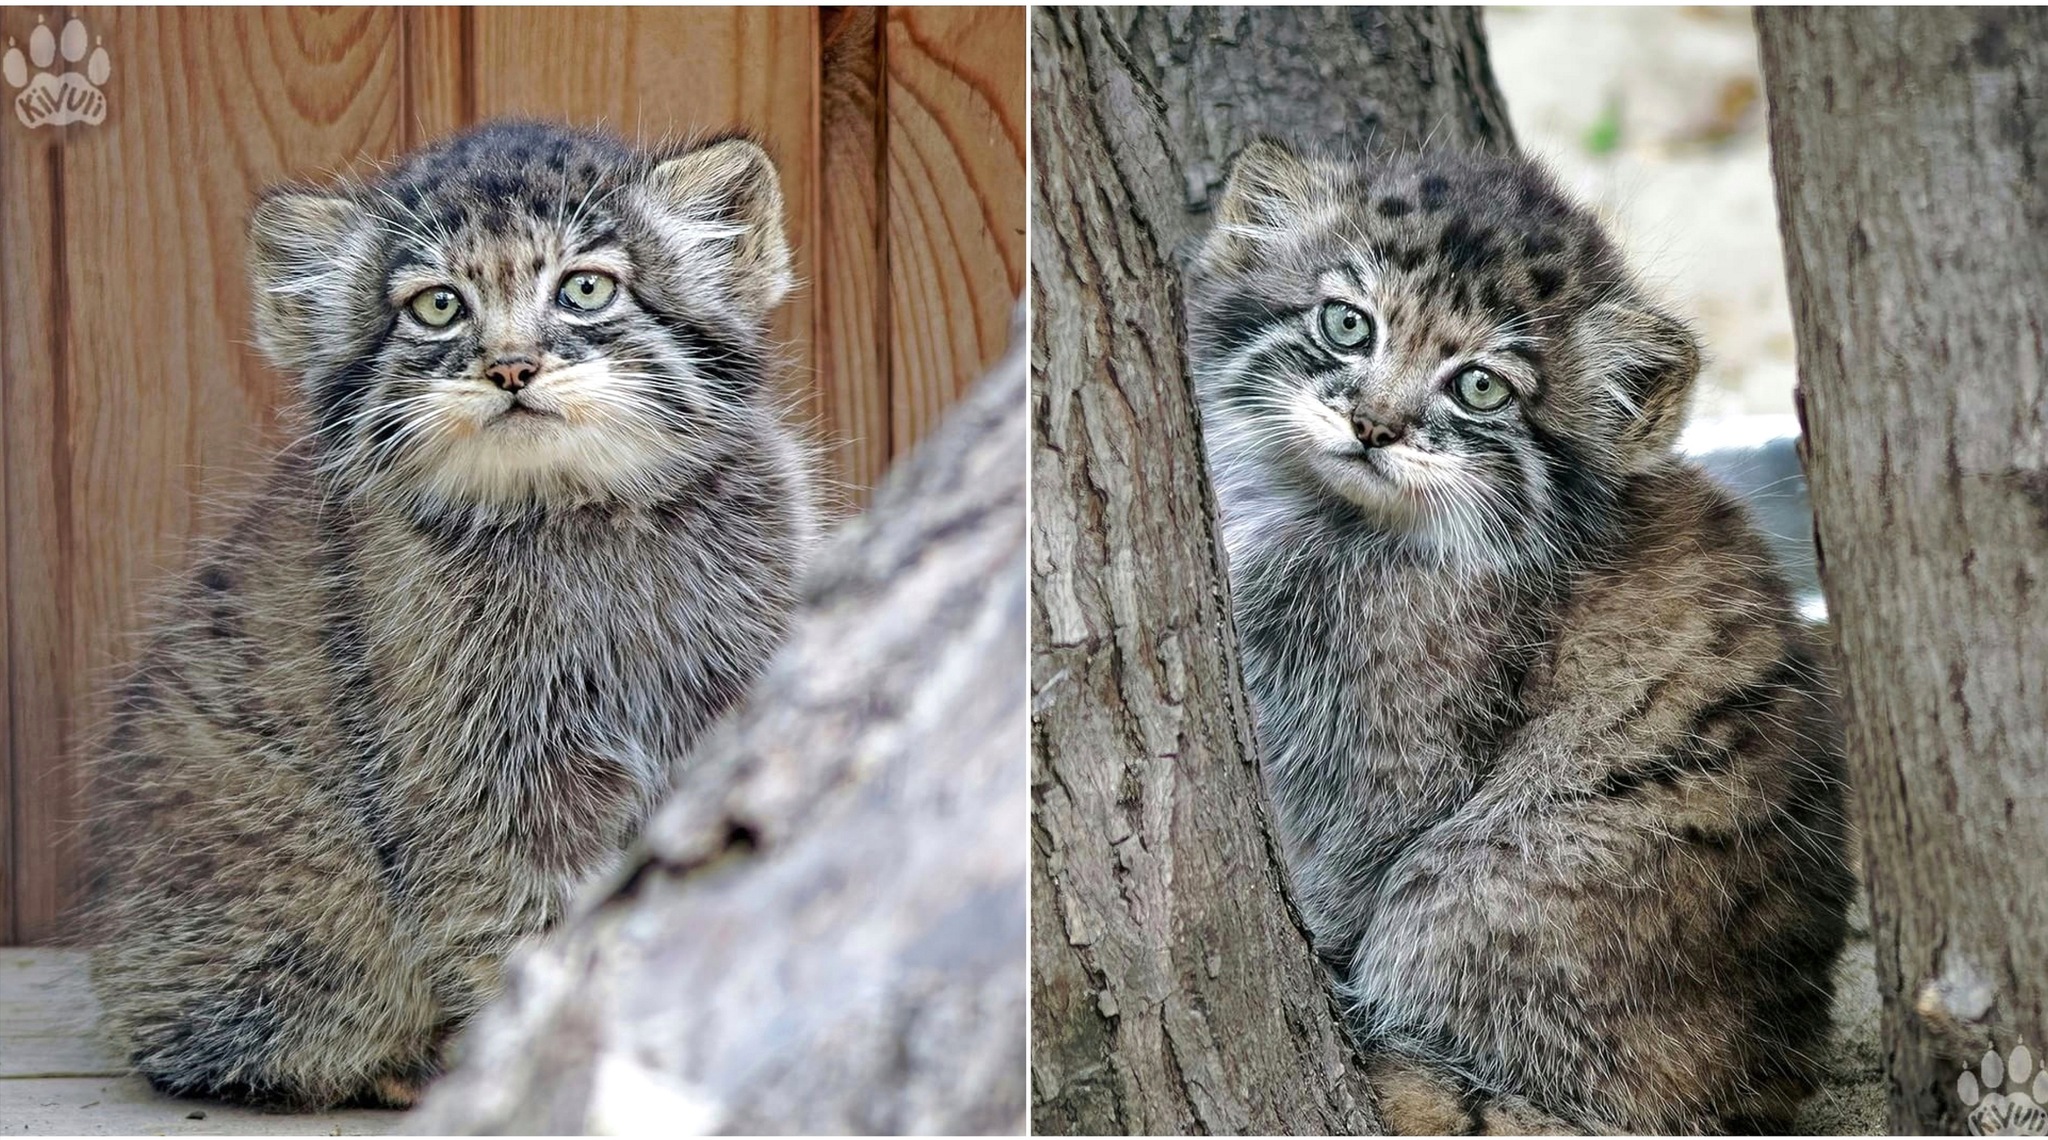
49 1019
852 329
956 233
31 339
150 399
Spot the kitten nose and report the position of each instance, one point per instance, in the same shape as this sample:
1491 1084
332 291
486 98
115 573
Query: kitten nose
513 372
1374 434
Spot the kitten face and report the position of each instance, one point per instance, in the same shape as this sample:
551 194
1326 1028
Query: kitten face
527 313
1446 346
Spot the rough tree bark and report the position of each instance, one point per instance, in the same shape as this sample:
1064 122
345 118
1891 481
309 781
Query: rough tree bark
1173 987
1345 78
823 928
1905 144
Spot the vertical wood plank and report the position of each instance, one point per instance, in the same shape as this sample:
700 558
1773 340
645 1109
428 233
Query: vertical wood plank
650 74
439 96
955 202
852 331
31 248
151 397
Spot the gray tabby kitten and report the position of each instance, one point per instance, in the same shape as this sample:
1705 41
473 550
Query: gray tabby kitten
544 528
1549 749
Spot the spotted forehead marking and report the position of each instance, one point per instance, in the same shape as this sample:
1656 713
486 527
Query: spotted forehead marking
1491 236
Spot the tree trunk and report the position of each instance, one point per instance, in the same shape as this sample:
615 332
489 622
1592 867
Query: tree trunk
1341 78
1173 986
823 928
1916 227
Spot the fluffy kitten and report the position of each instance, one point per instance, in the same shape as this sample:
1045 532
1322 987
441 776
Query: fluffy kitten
544 527
1548 747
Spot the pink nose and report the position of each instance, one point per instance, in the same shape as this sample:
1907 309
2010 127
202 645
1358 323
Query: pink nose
513 372
1375 434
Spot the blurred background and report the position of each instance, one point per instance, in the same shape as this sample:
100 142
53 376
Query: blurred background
1656 115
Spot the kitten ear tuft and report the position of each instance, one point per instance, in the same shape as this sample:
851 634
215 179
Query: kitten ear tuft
726 199
299 241
1645 362
1268 188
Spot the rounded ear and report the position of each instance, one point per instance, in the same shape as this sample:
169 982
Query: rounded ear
724 202
1644 362
300 243
1268 189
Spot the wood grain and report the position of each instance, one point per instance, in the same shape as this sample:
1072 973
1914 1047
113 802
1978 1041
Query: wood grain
31 356
151 400
956 102
439 97
853 270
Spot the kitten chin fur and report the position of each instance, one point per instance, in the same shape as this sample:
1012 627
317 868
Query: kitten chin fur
1551 755
437 673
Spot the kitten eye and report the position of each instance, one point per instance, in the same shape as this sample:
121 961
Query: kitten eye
1480 390
436 308
1347 326
586 292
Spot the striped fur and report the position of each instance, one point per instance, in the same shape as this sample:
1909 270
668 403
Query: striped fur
437 673
1549 750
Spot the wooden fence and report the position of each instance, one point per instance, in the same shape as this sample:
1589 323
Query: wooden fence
128 390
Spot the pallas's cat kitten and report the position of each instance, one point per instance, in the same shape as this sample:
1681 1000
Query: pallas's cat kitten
1548 747
542 529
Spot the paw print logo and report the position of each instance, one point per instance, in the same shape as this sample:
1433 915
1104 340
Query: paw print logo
55 98
2000 1101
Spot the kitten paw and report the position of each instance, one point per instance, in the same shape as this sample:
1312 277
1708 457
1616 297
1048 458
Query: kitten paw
395 1091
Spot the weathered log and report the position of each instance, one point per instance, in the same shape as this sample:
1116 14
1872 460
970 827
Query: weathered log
1173 986
1905 144
823 928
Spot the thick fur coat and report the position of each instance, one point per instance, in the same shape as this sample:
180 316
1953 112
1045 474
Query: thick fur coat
1549 748
543 527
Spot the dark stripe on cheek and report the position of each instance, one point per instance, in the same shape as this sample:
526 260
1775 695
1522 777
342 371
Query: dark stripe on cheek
575 343
1583 499
730 365
1241 319
1284 365
338 396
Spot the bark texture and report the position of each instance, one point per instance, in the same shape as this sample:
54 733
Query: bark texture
823 928
1906 143
1343 78
1173 987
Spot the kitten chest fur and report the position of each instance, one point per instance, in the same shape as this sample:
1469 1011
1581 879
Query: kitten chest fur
1381 686
523 687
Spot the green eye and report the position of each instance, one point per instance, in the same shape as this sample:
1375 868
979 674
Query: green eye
1347 327
586 292
1480 390
436 308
